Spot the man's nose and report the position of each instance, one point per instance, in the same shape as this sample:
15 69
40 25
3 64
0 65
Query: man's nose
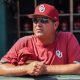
39 22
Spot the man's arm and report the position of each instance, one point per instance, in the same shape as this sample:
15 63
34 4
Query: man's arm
63 69
34 68
37 68
12 70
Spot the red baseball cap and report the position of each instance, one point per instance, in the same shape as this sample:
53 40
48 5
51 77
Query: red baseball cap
46 10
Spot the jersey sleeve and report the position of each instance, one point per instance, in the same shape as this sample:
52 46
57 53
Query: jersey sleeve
13 55
73 49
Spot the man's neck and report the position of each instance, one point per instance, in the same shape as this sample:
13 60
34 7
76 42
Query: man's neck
47 39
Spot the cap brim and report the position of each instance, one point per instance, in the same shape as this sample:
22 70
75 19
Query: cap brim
33 15
30 15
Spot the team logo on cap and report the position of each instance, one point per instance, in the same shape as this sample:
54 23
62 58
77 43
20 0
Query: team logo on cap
58 53
41 8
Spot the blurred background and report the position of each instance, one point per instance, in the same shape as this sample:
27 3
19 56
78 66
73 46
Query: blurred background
15 24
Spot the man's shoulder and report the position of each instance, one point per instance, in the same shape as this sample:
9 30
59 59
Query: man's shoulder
65 34
26 37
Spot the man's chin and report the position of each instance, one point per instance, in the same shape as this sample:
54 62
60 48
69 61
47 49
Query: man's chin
39 35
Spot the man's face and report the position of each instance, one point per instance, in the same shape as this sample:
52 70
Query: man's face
43 26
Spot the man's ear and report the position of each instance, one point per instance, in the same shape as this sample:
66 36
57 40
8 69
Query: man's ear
56 24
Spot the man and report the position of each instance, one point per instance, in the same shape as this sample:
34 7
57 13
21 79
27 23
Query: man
45 52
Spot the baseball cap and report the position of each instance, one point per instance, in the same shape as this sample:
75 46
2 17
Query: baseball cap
46 10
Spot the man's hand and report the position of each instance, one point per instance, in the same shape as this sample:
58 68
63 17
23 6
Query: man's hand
36 68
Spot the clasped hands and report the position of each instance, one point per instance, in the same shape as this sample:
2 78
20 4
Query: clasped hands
36 68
